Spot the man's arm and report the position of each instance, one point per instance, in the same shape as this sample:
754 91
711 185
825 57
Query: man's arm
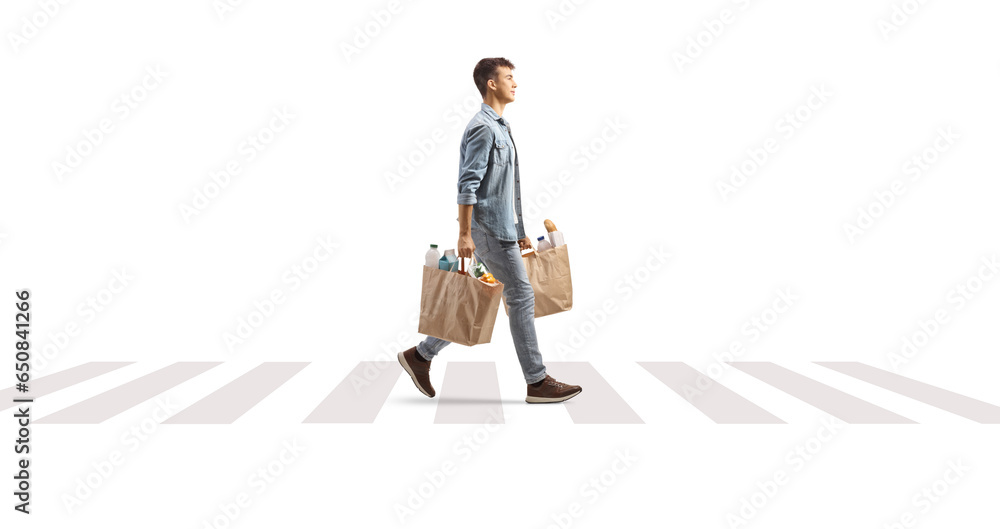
475 159
471 172
465 244
465 219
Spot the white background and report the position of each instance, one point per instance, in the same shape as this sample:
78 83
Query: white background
654 186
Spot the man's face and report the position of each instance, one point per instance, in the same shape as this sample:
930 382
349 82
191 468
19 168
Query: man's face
504 84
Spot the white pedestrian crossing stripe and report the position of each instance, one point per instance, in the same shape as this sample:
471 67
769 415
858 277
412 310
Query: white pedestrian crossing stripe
470 393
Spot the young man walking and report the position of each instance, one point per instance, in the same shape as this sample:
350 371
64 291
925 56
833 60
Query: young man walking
490 226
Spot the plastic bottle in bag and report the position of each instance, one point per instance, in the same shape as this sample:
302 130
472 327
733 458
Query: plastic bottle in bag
432 257
543 244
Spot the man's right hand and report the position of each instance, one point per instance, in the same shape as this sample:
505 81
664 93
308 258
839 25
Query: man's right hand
466 246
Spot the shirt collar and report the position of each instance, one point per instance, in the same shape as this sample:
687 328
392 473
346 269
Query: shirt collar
492 113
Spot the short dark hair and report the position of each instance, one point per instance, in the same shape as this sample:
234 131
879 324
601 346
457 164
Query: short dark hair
486 69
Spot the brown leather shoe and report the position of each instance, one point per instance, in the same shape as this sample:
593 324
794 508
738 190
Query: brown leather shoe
419 370
551 390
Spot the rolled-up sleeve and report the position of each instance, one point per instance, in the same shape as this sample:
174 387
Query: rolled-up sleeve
475 159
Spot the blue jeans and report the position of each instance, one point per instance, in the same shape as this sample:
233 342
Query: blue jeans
503 259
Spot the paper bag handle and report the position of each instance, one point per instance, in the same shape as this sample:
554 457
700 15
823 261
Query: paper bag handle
461 264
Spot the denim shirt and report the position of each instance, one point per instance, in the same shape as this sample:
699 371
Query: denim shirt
488 176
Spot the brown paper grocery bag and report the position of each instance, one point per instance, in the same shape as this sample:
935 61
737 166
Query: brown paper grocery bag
549 274
457 307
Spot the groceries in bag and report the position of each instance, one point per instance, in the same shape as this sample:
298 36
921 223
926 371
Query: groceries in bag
432 257
479 269
448 261
555 236
480 272
451 263
543 244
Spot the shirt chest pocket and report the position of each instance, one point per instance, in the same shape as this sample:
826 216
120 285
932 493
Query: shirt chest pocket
501 152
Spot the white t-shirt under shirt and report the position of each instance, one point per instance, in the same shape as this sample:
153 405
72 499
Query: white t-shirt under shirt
514 152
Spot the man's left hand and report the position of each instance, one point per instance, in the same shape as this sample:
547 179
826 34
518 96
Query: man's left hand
525 243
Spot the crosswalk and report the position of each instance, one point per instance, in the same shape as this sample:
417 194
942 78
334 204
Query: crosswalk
470 393
842 405
721 404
